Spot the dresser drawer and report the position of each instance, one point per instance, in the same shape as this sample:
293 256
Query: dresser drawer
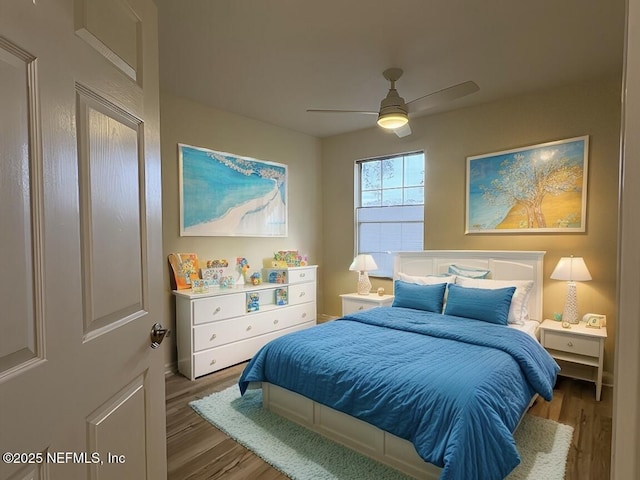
300 275
218 308
214 359
295 315
219 333
302 293
572 343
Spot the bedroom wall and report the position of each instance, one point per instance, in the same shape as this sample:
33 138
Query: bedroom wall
589 108
184 121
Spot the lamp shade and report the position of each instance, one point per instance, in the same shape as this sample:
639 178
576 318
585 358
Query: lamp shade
363 263
572 269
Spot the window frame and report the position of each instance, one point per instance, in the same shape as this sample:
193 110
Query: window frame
358 199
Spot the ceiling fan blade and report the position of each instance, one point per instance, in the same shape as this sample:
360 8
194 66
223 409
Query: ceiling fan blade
442 96
403 131
363 112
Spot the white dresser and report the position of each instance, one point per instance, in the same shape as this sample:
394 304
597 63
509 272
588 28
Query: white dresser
214 330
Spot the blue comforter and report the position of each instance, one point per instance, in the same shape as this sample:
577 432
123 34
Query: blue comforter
456 388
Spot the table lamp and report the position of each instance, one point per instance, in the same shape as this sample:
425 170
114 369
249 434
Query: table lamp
571 269
362 264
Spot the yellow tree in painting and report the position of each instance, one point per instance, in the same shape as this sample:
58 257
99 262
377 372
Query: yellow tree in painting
527 181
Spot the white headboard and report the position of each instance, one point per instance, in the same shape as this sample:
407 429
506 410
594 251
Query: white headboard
503 264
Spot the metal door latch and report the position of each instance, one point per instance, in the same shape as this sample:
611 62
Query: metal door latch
157 335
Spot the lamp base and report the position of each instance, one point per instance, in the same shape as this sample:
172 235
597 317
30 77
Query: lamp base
570 313
364 285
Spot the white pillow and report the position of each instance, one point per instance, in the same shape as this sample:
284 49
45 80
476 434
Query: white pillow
426 279
518 312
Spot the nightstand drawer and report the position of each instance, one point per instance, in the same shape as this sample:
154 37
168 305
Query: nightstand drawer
352 302
572 343
352 306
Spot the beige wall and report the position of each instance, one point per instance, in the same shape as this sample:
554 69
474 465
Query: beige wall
183 121
590 108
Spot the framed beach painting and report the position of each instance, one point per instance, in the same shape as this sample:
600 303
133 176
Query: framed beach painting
222 194
540 188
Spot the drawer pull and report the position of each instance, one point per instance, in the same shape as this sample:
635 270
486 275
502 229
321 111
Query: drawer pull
213 362
569 344
304 315
361 307
248 328
275 322
301 294
217 310
302 275
213 337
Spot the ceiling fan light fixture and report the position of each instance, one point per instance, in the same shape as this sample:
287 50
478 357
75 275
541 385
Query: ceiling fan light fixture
393 120
393 111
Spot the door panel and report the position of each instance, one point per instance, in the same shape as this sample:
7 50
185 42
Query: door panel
109 430
112 221
20 191
81 231
94 22
31 472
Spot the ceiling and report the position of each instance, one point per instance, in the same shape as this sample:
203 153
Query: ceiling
272 60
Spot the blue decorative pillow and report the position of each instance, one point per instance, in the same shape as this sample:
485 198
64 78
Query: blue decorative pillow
419 297
480 303
469 272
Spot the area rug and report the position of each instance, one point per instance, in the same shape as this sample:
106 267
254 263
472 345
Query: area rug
304 455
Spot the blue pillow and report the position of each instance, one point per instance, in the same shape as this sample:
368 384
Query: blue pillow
419 297
480 303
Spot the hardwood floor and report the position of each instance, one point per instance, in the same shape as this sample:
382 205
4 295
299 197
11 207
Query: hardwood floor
197 450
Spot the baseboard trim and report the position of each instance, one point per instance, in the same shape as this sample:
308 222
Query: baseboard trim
170 368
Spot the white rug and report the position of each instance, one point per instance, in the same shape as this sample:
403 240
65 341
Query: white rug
304 455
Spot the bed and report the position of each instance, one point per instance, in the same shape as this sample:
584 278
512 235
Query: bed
433 395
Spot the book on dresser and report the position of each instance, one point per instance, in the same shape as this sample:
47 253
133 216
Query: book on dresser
226 326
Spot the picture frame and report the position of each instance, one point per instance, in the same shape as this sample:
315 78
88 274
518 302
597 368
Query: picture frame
594 320
184 267
535 189
223 194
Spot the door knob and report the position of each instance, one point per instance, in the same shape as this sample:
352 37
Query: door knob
157 335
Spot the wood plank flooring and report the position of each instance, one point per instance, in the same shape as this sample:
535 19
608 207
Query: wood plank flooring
196 450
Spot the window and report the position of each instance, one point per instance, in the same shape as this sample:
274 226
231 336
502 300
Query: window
389 207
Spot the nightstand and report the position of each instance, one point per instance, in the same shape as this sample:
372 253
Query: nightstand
353 302
579 350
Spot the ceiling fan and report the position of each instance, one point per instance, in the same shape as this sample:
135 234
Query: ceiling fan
394 111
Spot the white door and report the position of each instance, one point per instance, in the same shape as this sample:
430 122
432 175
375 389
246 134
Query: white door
81 391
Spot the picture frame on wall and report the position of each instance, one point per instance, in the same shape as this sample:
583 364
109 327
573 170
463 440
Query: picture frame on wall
223 194
534 189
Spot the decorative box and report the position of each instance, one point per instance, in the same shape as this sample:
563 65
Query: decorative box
253 302
276 276
282 296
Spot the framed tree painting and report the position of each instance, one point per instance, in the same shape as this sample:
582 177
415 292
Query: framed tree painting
222 194
540 188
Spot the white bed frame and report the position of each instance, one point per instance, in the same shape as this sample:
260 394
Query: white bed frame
364 437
